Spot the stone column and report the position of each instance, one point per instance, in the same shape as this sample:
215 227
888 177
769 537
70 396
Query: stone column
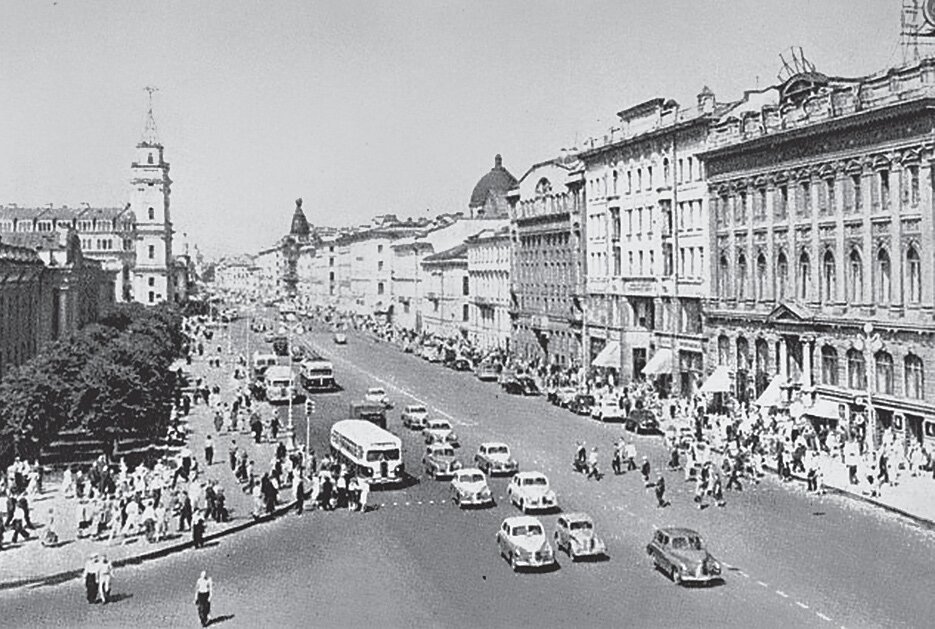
783 359
927 235
807 344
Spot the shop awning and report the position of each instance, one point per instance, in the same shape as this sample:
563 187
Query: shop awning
660 363
772 394
717 382
823 409
609 356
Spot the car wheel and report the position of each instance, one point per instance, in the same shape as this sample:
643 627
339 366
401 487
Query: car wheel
513 563
676 576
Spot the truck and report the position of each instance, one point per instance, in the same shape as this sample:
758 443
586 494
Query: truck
374 413
281 345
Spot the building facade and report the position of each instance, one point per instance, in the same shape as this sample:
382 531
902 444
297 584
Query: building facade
646 244
489 262
448 293
823 238
546 302
22 308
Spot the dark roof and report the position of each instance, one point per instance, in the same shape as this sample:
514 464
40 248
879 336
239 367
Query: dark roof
35 241
498 179
299 222
458 252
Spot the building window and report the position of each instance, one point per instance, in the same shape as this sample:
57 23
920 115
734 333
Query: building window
829 366
761 278
884 179
152 214
379 248
884 368
615 223
152 252
723 350
829 282
855 287
152 281
856 374
618 262
152 297
858 192
883 277
804 206
465 312
741 277
829 196
723 278
914 377
465 286
782 202
665 171
914 185
782 276
379 265
380 288
805 270
913 276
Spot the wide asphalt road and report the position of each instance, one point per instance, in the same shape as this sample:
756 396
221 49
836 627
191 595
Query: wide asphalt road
416 560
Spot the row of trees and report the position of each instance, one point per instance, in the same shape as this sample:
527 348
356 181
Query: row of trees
111 379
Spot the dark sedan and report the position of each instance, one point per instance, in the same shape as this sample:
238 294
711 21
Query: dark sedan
523 385
680 553
642 421
581 404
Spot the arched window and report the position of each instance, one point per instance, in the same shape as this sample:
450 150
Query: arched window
741 277
855 284
856 372
829 365
883 277
913 276
914 377
149 158
761 278
883 362
665 170
723 349
782 277
723 278
743 354
805 270
828 278
152 214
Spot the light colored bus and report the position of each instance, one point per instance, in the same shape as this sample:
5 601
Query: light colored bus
280 384
368 450
261 362
317 374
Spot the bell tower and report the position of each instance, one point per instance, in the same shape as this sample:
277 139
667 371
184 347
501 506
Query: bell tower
149 201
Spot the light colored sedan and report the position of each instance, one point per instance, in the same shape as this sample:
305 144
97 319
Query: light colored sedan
439 461
522 541
469 489
377 395
574 533
439 430
530 491
414 416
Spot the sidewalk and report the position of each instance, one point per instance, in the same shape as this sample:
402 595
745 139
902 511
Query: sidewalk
31 563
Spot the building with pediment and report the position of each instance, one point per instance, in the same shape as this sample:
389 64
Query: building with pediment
823 247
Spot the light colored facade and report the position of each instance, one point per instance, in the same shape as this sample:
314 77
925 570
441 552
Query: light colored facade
646 247
238 275
270 264
489 261
823 236
448 293
547 274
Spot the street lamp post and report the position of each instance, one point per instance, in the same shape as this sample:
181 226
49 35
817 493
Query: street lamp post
872 344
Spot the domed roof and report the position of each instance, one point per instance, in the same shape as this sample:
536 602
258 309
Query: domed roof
299 223
498 179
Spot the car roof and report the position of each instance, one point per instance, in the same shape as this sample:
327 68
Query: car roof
578 516
376 389
422 406
678 531
531 474
470 470
439 446
488 444
522 520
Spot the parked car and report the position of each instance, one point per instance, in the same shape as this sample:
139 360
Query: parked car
439 431
487 372
522 542
461 364
680 553
339 338
494 458
439 461
581 404
414 416
377 395
607 409
574 533
561 395
298 353
522 385
375 413
432 354
469 488
269 336
530 491
642 420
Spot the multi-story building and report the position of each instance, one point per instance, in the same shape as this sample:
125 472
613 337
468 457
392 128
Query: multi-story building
823 242
22 308
546 275
646 242
447 291
238 276
489 260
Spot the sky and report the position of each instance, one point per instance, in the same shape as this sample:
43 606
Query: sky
366 108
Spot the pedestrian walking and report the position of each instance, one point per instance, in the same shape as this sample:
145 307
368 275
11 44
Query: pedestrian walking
717 492
364 494
617 463
209 450
644 470
630 451
204 589
661 492
90 579
232 455
299 494
593 472
105 573
198 530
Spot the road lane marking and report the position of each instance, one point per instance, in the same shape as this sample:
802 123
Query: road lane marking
395 504
823 617
758 582
407 504
801 604
782 594
431 502
744 574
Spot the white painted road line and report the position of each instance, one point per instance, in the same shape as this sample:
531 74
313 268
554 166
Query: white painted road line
801 604
782 594
758 582
823 617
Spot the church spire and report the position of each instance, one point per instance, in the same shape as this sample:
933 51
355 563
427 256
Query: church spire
150 137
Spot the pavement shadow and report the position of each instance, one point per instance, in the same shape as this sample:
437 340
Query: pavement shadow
119 597
219 619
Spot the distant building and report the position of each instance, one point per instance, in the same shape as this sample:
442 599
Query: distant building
489 260
488 199
448 293
22 307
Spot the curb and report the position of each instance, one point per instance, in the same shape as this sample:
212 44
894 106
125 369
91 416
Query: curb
68 575
925 522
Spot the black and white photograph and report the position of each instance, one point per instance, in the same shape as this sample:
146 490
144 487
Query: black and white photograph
467 314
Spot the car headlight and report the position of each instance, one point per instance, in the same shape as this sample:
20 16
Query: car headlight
485 492
456 465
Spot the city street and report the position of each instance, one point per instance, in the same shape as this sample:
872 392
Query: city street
416 560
